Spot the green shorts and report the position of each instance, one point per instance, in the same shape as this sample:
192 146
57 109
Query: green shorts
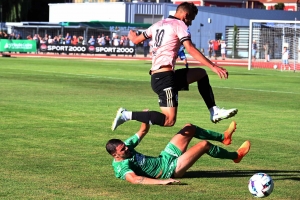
169 158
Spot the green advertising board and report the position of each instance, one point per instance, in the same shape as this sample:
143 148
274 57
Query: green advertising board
17 45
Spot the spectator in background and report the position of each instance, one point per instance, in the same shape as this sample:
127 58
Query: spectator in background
74 40
126 41
55 40
223 49
285 58
98 40
102 40
36 38
60 39
107 41
92 41
80 40
210 48
266 48
29 37
68 39
45 39
116 42
5 35
18 37
50 40
254 50
11 36
146 47
216 44
121 40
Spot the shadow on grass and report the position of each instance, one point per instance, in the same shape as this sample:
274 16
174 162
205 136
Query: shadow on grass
275 174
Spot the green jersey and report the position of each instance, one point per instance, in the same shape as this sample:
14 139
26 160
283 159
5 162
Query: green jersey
162 166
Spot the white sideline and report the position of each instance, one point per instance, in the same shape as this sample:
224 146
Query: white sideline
116 78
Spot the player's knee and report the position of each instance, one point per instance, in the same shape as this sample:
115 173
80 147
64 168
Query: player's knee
188 130
206 145
170 122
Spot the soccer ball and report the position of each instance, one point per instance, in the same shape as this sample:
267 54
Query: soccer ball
275 66
261 185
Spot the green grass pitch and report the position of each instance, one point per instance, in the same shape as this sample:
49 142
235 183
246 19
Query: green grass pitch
55 118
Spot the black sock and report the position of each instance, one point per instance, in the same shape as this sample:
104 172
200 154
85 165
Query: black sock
206 92
150 117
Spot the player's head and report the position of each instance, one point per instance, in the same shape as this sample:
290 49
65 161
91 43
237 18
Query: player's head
117 149
186 12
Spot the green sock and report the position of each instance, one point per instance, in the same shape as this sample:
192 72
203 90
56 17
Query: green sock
208 135
218 152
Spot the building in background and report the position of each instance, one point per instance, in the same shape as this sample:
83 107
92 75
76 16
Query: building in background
289 5
210 23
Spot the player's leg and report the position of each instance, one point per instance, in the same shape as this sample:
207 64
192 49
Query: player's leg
225 138
187 159
199 75
183 137
149 117
163 84
170 115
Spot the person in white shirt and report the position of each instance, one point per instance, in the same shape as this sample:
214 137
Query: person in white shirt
223 49
285 58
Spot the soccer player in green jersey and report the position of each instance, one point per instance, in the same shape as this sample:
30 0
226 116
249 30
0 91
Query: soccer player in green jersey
174 160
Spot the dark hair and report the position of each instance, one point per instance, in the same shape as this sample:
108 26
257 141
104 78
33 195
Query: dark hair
112 144
188 7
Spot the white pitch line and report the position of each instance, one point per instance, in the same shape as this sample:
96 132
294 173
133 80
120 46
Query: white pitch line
256 90
117 78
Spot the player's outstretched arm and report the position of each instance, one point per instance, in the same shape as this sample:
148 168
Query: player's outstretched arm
195 53
134 179
144 129
136 39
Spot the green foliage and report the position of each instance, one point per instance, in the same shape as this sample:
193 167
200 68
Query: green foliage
26 10
15 10
235 32
56 116
279 6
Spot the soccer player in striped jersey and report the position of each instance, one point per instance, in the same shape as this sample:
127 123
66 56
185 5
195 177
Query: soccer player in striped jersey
167 37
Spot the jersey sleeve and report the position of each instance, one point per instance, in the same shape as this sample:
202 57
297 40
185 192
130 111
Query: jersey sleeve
183 32
148 32
121 169
132 142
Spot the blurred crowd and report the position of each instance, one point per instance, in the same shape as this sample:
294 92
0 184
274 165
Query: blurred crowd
217 48
68 39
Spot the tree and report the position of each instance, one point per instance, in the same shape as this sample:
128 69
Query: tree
279 6
26 10
235 31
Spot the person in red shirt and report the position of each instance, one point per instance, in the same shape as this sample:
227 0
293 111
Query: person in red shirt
216 44
74 40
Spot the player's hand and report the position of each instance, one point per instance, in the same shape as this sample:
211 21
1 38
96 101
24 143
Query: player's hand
222 73
131 34
170 181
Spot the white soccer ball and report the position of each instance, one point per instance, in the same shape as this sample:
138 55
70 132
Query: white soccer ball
261 185
275 66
